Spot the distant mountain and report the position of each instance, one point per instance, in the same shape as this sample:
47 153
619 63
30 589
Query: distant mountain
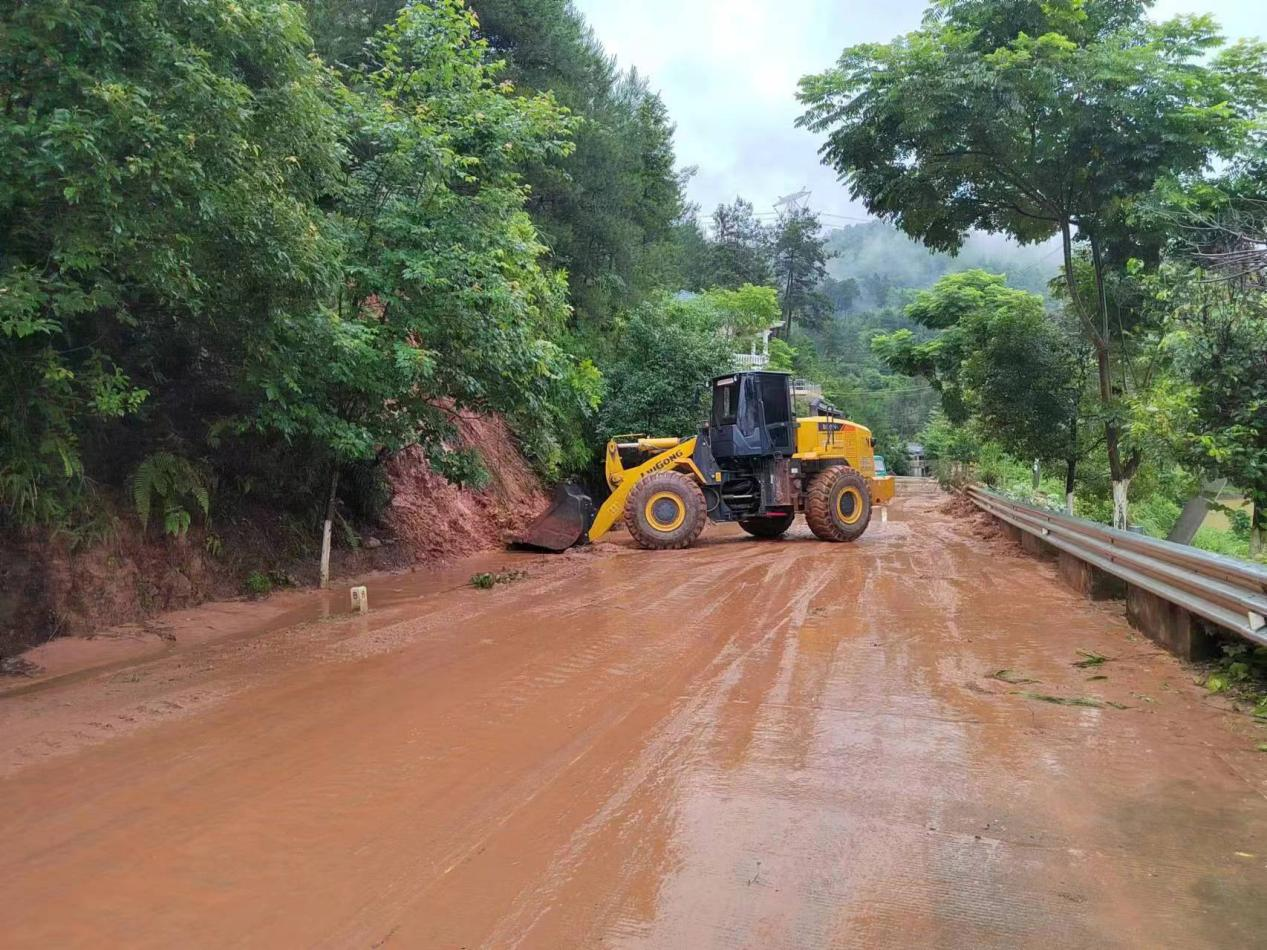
883 259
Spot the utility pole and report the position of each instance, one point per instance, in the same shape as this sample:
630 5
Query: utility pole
786 207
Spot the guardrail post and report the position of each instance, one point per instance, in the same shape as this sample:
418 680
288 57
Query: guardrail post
1088 580
1173 627
1032 544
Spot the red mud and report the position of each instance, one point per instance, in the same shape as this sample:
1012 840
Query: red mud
48 590
436 520
744 744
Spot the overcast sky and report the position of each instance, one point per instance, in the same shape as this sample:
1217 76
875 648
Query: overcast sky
728 71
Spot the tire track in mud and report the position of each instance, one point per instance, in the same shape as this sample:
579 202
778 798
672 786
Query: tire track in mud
686 733
745 743
644 712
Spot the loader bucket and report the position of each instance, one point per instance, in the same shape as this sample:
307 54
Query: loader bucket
567 522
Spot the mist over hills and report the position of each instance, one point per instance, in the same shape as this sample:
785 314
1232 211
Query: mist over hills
882 259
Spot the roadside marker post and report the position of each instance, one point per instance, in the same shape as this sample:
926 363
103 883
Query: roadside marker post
360 600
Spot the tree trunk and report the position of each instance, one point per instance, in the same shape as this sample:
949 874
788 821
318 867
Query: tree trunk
326 528
1120 489
1071 472
1098 332
1258 528
1117 471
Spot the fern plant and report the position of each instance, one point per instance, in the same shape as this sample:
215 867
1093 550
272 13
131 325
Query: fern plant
179 485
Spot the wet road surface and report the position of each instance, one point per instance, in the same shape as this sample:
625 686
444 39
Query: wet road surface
747 744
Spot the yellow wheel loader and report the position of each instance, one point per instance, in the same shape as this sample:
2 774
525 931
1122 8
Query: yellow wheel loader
753 462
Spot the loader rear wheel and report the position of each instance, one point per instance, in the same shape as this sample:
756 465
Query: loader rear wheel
838 506
770 527
665 510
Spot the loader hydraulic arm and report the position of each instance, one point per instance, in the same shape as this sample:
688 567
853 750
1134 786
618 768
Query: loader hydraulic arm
674 454
643 446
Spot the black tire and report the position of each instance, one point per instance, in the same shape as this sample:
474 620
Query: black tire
665 510
768 527
838 505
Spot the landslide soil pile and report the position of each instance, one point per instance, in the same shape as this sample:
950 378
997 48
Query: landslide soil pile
435 519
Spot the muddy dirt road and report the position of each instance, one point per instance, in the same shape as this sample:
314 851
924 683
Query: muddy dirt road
745 744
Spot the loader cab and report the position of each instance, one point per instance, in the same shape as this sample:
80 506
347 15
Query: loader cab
752 416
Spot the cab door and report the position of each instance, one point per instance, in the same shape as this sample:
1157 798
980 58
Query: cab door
776 404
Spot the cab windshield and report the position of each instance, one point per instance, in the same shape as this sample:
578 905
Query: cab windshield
726 402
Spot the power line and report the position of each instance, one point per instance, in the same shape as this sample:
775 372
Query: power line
820 214
920 390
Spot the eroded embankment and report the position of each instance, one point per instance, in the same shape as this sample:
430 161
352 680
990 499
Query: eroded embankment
50 587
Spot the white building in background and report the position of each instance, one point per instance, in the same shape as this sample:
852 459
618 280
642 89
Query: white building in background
918 460
758 356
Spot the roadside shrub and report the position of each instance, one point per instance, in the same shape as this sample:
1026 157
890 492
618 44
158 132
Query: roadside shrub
258 584
1156 514
1220 542
180 487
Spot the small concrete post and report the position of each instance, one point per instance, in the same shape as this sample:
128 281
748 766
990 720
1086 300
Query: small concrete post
1168 624
360 600
1038 475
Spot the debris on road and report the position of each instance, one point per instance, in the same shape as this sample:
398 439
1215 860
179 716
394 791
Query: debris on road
1090 659
1010 677
1063 700
486 580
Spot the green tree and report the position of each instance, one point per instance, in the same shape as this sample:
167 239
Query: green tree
444 302
608 210
997 359
223 263
744 312
1212 408
159 218
843 295
341 29
1037 118
782 356
800 265
657 382
694 252
741 247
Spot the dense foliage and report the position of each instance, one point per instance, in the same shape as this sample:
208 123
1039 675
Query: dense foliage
607 212
160 212
251 248
217 248
998 360
1043 118
668 351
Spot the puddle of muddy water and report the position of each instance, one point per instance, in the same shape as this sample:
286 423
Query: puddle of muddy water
392 597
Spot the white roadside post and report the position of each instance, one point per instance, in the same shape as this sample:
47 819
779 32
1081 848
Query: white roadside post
360 600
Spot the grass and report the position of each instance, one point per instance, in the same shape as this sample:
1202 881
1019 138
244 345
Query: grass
259 584
1090 659
1064 700
487 581
1011 677
1215 541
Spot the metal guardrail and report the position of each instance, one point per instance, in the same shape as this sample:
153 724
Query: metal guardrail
1223 590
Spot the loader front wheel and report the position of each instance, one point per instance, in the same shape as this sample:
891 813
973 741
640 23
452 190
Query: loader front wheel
666 510
773 526
838 506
